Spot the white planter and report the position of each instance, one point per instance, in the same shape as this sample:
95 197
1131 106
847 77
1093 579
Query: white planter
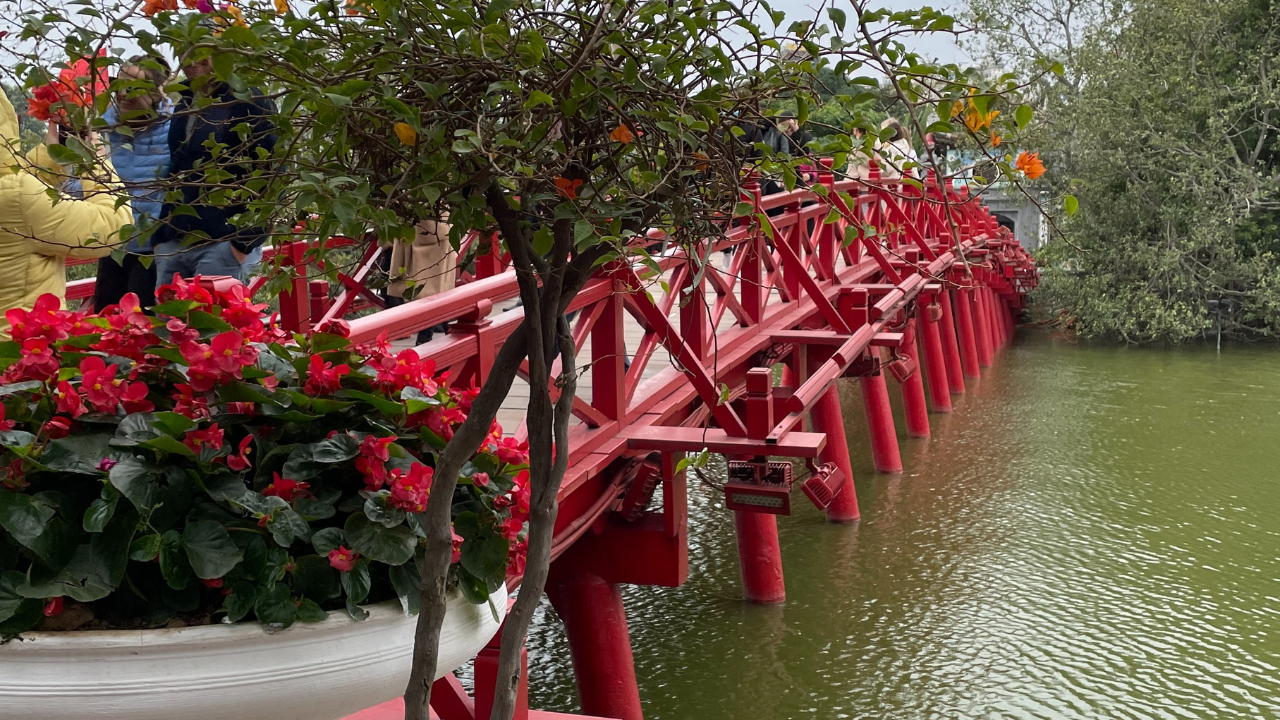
320 671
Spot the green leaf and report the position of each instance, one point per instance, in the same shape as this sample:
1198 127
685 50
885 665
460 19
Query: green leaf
274 606
136 428
1023 115
314 578
312 510
837 18
392 546
743 209
1070 204
325 342
416 401
201 320
309 612
136 480
145 548
209 549
23 516
17 613
173 561
287 526
173 423
356 582
241 600
24 386
408 584
536 98
168 444
17 440
390 408
99 514
245 392
76 453
176 308
327 540
582 229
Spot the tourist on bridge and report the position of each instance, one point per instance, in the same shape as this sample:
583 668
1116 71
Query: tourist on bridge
205 242
141 158
896 152
428 266
38 234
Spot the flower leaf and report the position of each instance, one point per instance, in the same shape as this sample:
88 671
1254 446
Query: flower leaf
393 546
209 549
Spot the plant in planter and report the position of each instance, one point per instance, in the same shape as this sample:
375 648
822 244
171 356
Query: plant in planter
202 466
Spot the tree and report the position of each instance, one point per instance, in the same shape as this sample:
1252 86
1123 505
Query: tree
569 126
1166 132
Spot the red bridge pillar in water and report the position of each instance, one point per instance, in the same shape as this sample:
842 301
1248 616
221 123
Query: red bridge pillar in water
828 418
939 391
599 643
759 552
950 345
913 402
884 439
981 328
967 335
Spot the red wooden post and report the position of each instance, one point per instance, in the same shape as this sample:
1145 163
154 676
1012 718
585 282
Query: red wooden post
759 552
884 439
695 323
968 335
608 358
950 346
760 556
595 622
295 303
980 330
488 256
828 418
913 402
753 295
935 365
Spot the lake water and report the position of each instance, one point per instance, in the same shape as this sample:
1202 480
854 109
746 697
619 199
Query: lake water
1093 533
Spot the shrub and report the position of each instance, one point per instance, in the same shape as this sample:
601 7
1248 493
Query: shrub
200 463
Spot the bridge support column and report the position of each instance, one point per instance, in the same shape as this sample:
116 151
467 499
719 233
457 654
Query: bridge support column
913 402
828 418
935 365
760 556
950 347
968 335
981 329
884 439
596 623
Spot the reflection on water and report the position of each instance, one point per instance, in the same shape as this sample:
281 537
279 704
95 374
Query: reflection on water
1093 533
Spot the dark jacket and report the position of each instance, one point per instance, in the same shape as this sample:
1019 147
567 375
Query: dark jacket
189 131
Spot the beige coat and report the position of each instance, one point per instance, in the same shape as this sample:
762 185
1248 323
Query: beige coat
430 262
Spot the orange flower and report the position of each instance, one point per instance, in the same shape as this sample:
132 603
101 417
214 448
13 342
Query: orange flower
622 134
996 139
406 133
568 188
358 8
1030 165
976 120
152 7
282 7
703 162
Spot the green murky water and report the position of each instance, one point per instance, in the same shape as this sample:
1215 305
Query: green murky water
1094 533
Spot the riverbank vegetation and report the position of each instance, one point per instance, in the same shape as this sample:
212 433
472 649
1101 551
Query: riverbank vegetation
1164 126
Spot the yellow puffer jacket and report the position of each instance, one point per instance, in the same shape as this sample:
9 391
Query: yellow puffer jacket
37 235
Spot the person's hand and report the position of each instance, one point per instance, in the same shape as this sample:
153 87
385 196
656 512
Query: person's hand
239 256
52 136
100 147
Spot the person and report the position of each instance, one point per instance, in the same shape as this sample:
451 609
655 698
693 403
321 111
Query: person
139 140
859 164
204 241
430 263
896 152
38 233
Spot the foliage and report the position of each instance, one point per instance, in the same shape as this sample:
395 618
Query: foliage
1166 132
201 462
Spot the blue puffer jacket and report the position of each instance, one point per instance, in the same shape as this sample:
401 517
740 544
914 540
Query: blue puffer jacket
141 161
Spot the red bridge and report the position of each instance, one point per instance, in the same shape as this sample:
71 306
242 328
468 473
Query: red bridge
926 293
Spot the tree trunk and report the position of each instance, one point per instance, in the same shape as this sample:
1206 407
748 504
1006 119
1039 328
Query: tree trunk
437 553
